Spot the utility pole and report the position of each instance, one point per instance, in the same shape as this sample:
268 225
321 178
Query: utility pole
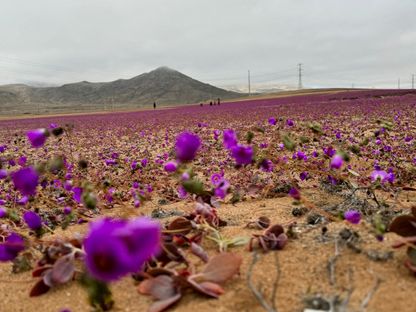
413 81
398 84
300 76
249 84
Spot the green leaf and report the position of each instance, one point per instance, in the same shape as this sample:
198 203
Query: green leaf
193 186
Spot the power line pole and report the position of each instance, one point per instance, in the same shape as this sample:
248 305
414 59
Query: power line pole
398 84
413 81
249 83
300 76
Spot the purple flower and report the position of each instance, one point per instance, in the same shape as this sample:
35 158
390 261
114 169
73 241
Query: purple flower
11 247
266 165
230 138
216 134
110 162
222 188
336 161
300 155
32 220
272 121
22 161
77 194
3 212
304 175
67 210
22 201
182 193
379 175
329 151
128 244
133 165
26 180
68 185
171 166
187 144
185 176
352 216
294 193
243 155
3 174
144 162
290 122
37 137
216 179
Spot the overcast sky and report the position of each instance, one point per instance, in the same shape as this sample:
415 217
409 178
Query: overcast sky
368 43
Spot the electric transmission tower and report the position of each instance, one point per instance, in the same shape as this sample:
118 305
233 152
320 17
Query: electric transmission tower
249 83
300 76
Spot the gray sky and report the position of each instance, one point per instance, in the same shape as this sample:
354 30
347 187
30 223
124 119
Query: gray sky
368 43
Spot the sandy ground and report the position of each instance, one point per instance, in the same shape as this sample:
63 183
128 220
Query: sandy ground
303 265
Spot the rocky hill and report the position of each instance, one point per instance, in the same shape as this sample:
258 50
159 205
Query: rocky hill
163 85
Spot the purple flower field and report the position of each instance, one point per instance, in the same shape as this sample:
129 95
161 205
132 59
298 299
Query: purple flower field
165 198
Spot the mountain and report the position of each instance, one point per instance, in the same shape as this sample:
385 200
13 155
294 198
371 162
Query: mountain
163 85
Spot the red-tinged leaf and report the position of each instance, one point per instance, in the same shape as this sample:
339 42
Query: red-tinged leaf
276 229
214 202
404 226
197 250
410 266
405 241
221 268
37 272
411 253
281 241
39 289
47 279
180 225
160 287
162 305
159 271
207 288
263 222
414 211
63 270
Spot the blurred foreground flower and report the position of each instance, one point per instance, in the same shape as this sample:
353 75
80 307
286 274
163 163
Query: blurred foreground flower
272 121
26 180
352 216
11 247
230 138
336 161
243 155
171 166
32 220
187 144
116 247
37 137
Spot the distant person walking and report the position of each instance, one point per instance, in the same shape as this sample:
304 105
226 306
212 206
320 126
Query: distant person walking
154 105
219 101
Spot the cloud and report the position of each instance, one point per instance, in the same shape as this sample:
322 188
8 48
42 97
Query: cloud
368 43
